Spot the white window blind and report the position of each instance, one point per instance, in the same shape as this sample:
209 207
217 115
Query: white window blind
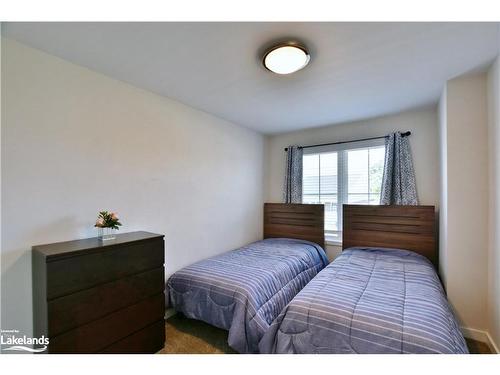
346 173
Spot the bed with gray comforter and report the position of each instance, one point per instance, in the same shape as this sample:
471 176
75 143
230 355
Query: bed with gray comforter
244 290
369 300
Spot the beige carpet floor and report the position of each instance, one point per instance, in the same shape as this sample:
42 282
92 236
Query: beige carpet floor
187 336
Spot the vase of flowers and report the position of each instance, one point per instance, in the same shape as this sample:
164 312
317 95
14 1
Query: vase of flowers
107 224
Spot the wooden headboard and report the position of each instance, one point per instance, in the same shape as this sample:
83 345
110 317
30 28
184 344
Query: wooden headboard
401 227
301 221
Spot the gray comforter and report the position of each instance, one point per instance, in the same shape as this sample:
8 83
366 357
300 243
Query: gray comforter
244 290
369 301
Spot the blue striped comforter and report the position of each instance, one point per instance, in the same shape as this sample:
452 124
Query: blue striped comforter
244 290
369 301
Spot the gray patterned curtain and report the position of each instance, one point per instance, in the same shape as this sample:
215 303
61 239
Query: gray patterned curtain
292 192
398 183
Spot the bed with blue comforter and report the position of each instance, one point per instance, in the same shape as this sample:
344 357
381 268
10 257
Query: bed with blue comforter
244 290
369 300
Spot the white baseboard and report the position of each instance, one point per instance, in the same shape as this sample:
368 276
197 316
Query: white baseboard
492 344
169 312
482 336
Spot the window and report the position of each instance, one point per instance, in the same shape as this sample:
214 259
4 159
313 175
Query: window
346 173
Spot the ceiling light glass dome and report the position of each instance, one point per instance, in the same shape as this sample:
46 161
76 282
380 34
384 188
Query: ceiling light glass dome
286 59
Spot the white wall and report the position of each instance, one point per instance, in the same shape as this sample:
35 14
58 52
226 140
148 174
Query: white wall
494 201
424 144
443 179
75 142
465 197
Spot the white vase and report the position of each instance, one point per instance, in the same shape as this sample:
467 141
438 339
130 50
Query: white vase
106 234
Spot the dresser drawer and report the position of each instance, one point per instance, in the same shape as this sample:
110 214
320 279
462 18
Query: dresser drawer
76 309
148 340
69 275
99 334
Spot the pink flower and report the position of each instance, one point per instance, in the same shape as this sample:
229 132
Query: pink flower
113 216
99 222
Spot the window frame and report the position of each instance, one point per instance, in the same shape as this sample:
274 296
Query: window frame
335 236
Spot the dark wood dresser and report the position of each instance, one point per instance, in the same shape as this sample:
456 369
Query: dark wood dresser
94 296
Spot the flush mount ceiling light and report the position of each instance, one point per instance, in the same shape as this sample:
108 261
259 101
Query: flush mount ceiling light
286 58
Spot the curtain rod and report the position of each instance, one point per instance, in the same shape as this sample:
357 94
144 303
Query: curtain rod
405 134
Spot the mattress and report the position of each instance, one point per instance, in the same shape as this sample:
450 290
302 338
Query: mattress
244 290
369 300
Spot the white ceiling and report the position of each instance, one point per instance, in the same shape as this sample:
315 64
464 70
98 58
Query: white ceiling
357 70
